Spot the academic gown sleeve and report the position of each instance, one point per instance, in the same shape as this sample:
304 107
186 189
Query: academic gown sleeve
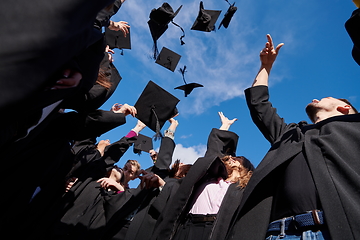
79 126
221 142
103 17
164 159
265 117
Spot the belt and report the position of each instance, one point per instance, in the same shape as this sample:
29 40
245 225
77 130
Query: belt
197 218
314 218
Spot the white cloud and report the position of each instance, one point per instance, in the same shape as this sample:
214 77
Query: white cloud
225 61
185 136
188 155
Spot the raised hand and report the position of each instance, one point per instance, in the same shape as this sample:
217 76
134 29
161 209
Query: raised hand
225 122
124 108
269 53
120 26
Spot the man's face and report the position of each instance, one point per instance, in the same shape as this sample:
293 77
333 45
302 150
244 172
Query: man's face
130 172
325 104
153 154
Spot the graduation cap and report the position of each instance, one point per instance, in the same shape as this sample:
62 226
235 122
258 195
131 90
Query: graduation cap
155 106
158 23
228 15
142 143
206 19
188 87
168 59
116 39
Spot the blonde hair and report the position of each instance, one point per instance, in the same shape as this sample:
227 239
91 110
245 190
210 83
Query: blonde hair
245 169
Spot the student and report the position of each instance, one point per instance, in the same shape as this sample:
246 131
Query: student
120 177
192 211
53 158
82 204
306 187
141 220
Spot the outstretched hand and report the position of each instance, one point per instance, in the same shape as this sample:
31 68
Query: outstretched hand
269 53
124 108
225 122
120 26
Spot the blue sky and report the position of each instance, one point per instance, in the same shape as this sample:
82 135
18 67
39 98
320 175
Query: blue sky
315 62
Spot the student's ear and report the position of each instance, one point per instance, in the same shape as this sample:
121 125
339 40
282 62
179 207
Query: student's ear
344 109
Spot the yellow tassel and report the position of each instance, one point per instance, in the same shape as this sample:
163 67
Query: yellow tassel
357 3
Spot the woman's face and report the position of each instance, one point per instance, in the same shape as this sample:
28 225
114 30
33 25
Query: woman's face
232 163
130 172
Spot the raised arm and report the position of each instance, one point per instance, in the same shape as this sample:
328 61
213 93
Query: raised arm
166 151
225 122
263 114
221 141
267 57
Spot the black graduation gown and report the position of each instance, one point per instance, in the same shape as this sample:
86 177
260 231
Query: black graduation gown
219 143
44 158
83 204
145 218
332 147
98 94
30 56
103 17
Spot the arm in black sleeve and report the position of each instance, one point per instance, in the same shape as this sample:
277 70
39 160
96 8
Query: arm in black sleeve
103 17
221 142
265 117
115 151
164 158
79 126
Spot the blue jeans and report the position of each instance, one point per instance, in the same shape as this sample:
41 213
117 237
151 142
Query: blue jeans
306 235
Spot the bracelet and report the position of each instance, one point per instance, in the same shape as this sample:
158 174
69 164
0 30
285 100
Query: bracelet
169 133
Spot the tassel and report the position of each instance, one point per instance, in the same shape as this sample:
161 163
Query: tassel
158 135
156 51
181 41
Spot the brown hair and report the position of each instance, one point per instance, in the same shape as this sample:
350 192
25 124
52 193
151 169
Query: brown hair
246 169
178 171
104 79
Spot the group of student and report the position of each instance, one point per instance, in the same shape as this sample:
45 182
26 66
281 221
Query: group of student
60 183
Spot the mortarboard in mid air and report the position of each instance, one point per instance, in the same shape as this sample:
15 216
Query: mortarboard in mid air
228 15
188 87
142 143
206 19
155 106
168 59
159 21
116 39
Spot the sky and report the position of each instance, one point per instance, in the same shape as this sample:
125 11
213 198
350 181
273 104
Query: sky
315 62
